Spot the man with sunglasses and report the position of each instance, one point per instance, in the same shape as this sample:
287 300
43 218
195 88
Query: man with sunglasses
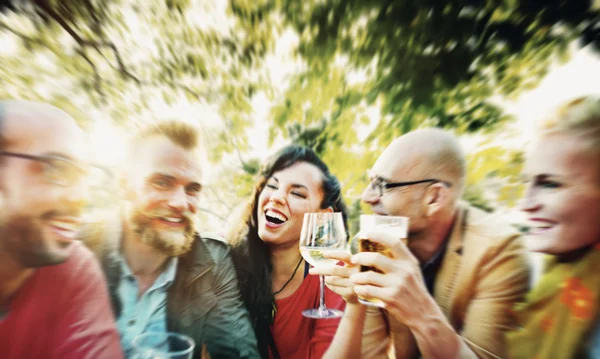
448 291
53 297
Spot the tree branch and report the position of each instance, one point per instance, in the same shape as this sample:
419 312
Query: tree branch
21 35
97 78
229 208
233 142
206 210
97 28
97 45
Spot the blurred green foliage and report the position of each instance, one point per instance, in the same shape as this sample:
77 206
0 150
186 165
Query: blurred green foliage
370 71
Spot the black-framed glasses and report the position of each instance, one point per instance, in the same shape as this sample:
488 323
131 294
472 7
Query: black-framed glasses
382 185
56 170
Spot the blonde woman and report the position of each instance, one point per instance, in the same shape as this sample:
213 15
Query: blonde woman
559 318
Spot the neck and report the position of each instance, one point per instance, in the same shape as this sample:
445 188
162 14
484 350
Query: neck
284 261
285 278
574 255
12 278
143 259
428 242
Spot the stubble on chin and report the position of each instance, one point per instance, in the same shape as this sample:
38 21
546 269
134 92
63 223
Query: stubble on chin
171 243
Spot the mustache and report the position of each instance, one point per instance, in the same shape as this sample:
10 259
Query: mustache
161 212
63 213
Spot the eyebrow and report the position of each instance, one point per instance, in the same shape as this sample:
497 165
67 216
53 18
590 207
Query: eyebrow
548 175
60 155
373 176
86 166
294 185
164 175
541 176
173 178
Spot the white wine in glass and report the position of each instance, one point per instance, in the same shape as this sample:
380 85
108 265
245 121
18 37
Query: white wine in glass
321 233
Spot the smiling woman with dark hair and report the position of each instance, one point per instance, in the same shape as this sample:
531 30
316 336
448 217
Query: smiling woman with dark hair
273 277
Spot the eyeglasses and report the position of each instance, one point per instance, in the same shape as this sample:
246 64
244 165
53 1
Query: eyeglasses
56 170
383 186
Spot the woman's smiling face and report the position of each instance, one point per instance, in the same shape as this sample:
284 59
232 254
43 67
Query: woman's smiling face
562 201
286 197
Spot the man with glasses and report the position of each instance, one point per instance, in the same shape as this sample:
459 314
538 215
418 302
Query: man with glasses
53 297
448 291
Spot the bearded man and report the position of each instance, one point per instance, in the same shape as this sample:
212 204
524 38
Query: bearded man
162 275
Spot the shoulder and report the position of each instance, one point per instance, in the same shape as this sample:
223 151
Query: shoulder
81 258
216 245
81 267
489 229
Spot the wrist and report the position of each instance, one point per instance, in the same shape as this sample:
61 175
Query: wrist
430 315
355 310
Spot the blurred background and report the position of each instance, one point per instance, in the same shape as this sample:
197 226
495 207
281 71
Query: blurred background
343 77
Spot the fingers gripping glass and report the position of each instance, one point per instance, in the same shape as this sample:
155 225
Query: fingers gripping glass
56 170
321 233
382 185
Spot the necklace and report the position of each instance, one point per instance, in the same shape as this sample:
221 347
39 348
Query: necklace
274 310
289 280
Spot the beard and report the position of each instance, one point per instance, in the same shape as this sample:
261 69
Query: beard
25 240
173 243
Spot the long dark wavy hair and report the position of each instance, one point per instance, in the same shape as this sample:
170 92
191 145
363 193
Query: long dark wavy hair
252 256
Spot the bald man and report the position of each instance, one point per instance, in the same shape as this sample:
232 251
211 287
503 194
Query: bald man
447 293
53 298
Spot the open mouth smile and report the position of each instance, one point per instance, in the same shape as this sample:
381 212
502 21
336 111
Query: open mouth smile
274 218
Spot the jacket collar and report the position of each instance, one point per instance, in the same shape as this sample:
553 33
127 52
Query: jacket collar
456 242
107 238
197 262
449 270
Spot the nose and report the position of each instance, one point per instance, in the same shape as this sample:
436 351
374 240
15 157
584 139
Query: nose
277 196
530 202
370 195
178 200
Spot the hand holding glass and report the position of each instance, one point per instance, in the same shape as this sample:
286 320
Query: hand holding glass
395 226
321 233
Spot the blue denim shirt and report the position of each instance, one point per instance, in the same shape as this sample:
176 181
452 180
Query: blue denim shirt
594 349
148 313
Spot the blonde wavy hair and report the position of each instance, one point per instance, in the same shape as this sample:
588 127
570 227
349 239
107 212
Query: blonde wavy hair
579 117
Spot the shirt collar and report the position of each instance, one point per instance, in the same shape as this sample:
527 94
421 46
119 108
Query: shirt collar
436 256
166 278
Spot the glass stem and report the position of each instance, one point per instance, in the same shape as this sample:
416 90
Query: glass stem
322 307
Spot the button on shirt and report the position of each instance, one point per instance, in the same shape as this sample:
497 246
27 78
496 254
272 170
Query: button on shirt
149 312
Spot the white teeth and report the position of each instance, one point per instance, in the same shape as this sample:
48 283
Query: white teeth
173 219
67 226
276 215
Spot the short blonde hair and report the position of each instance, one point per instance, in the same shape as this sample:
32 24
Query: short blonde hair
180 133
579 117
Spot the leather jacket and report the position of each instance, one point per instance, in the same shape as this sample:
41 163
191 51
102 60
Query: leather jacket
203 302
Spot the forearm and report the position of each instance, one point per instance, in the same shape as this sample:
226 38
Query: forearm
347 340
435 336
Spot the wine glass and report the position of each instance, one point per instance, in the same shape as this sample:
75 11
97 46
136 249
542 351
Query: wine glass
163 345
321 233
